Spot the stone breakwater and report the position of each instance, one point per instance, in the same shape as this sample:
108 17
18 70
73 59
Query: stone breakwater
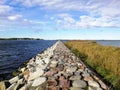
57 68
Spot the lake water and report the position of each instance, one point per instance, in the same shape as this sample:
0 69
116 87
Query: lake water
14 52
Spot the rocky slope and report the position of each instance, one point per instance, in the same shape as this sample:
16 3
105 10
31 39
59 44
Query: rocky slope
57 68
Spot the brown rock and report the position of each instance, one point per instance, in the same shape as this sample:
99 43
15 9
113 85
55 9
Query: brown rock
51 83
50 73
52 88
102 85
88 78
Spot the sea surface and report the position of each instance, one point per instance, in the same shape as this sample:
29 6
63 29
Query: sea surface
14 52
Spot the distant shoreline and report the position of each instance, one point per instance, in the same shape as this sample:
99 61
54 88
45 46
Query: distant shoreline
52 39
20 39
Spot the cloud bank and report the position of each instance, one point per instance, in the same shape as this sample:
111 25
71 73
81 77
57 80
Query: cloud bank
67 14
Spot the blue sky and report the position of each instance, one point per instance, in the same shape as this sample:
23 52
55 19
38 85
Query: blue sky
60 19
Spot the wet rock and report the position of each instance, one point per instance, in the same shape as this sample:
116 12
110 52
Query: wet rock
2 86
13 80
12 86
22 69
79 83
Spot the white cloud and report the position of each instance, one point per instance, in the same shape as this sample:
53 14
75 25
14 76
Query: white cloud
4 9
67 21
101 8
14 17
100 13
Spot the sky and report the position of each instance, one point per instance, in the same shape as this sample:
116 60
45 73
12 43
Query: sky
60 19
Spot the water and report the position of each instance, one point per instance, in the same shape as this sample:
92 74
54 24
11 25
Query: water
115 43
13 53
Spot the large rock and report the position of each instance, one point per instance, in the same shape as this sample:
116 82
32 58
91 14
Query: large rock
75 77
77 73
22 69
13 80
38 81
93 84
36 74
89 78
2 86
81 70
47 60
79 83
53 64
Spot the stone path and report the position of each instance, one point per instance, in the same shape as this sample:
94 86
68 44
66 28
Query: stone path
55 69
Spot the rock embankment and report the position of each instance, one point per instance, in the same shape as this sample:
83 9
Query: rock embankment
57 68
